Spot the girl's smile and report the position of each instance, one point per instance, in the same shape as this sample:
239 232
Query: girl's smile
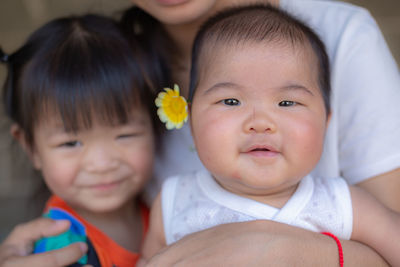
106 187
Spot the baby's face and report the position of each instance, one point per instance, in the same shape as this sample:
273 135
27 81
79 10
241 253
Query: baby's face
97 170
258 117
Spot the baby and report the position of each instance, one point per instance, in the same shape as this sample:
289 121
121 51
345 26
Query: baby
259 94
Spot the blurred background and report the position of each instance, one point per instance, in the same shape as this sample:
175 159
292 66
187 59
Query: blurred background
18 18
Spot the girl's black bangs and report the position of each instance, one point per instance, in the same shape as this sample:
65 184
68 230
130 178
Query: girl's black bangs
99 84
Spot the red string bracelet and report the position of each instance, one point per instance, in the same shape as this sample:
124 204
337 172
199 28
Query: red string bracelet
339 246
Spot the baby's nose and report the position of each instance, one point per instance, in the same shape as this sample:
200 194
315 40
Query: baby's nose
260 121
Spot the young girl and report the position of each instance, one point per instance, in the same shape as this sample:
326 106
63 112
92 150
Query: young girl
260 91
82 107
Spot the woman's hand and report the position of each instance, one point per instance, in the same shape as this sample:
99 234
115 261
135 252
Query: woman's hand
262 243
16 249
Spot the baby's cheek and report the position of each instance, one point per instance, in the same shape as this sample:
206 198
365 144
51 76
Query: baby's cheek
310 142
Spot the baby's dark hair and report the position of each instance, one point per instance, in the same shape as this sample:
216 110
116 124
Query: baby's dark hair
81 67
258 23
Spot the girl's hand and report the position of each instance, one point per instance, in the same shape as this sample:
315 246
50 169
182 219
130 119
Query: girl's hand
16 249
262 243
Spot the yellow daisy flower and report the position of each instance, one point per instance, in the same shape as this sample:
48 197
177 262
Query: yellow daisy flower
172 108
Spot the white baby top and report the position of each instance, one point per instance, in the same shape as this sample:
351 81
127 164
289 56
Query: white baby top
362 139
195 202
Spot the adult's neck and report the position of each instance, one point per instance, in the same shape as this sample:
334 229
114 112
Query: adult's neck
183 34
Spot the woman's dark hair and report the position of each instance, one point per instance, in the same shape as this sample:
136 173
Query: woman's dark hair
142 29
258 23
81 67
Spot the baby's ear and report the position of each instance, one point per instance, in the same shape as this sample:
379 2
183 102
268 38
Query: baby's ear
328 118
189 105
18 134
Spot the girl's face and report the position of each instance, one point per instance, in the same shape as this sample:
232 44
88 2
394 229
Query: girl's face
258 118
96 170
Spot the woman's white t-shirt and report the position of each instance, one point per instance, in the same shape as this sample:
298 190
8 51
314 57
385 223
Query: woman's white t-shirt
363 135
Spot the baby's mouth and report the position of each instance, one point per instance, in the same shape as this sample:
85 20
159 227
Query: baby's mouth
264 151
260 149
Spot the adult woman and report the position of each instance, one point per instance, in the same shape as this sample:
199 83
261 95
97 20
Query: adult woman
354 148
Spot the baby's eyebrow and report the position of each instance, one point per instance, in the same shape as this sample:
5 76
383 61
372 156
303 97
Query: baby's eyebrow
221 85
296 87
230 85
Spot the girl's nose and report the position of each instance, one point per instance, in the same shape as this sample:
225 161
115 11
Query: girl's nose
101 159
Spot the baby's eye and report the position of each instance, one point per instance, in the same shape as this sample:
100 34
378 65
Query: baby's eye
231 102
287 103
71 144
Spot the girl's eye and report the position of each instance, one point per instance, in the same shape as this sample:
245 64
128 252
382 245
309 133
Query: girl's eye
287 103
124 136
231 102
71 144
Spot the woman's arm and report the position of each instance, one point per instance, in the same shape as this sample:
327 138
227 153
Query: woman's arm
261 243
155 237
376 225
385 188
15 250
